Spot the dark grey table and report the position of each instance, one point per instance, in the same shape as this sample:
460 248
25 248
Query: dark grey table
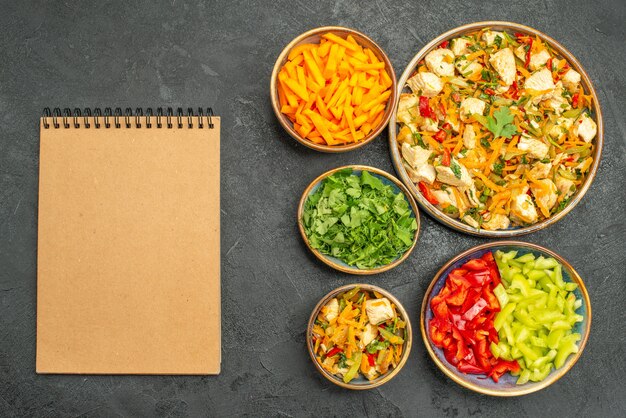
221 54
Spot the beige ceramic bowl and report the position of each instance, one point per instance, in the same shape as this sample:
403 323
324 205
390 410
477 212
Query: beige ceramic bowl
360 383
313 36
506 386
587 86
335 262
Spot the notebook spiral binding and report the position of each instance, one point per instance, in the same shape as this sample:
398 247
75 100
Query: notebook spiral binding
113 118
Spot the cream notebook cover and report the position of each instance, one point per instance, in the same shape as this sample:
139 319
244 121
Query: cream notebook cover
128 274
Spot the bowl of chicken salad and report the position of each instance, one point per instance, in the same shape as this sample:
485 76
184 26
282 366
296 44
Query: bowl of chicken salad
359 336
498 130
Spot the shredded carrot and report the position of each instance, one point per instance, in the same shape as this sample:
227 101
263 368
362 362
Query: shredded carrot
335 92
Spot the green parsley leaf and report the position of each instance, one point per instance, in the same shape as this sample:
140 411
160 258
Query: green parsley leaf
500 124
497 41
342 361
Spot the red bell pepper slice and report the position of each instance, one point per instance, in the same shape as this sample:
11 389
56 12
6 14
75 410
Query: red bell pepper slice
457 278
575 99
458 322
530 47
437 336
457 297
503 366
477 308
427 194
490 91
440 136
425 110
514 90
441 310
371 360
476 264
479 278
445 160
468 368
334 351
472 297
491 299
444 44
493 267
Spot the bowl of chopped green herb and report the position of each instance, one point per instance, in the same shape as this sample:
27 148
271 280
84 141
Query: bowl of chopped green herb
358 219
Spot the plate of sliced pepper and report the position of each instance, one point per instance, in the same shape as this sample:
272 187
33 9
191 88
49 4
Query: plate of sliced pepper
506 318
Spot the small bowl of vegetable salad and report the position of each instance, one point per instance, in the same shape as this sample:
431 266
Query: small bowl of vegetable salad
358 220
359 336
506 318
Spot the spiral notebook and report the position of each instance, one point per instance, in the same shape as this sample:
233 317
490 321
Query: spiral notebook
128 274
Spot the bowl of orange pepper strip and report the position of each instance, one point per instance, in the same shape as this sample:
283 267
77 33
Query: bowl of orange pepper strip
359 336
333 89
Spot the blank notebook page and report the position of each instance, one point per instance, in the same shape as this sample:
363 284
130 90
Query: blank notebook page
129 250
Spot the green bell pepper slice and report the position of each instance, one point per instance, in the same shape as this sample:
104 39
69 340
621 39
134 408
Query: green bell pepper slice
354 368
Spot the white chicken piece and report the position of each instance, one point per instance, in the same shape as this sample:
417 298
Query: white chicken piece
561 127
331 309
533 147
472 194
540 170
469 137
520 52
447 176
523 209
407 108
425 173
425 84
378 310
415 155
557 102
440 61
566 187
497 221
502 89
429 125
540 81
371 374
459 46
471 221
468 68
416 163
545 195
538 60
444 197
585 127
520 170
503 62
471 106
571 79
490 36
369 333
